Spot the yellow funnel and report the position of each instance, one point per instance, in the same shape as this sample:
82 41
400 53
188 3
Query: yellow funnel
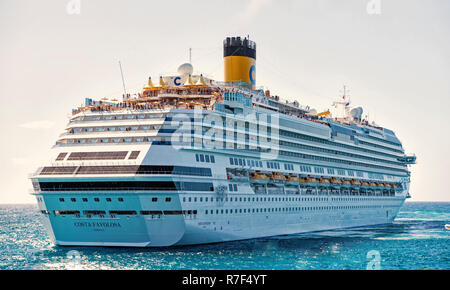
239 61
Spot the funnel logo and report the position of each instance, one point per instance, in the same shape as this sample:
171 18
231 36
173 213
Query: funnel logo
251 74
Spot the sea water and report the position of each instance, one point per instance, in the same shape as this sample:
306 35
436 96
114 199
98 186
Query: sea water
416 240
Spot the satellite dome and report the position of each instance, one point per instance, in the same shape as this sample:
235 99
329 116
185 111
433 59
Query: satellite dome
185 69
356 112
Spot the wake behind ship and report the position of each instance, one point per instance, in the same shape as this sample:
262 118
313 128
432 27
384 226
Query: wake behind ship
193 160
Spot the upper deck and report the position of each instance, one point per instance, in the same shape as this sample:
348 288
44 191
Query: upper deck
229 97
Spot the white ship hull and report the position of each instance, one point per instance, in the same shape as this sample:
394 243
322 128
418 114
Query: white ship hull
152 218
184 229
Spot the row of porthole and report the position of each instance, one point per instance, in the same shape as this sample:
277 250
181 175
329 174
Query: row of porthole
131 139
249 199
288 209
274 199
235 199
108 199
114 213
114 129
84 199
119 117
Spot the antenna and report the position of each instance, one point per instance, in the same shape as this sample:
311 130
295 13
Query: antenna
190 55
345 92
123 81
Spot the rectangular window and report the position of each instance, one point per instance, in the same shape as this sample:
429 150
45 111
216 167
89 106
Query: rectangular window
122 212
134 155
61 156
118 155
66 212
213 160
151 212
94 212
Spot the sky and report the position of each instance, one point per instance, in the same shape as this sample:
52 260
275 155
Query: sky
394 56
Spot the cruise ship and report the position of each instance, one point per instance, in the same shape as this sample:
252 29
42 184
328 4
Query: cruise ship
192 160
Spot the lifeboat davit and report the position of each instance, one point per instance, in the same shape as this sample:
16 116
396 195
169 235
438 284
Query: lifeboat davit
346 184
380 186
356 183
324 182
336 183
365 185
259 178
372 185
311 182
278 179
292 181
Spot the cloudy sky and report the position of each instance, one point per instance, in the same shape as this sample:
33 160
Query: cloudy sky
394 55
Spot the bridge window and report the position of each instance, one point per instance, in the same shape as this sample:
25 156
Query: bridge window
134 154
61 156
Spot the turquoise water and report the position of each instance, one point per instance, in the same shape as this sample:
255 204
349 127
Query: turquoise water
416 240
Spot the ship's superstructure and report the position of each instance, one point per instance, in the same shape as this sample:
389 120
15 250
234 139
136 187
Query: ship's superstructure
193 160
